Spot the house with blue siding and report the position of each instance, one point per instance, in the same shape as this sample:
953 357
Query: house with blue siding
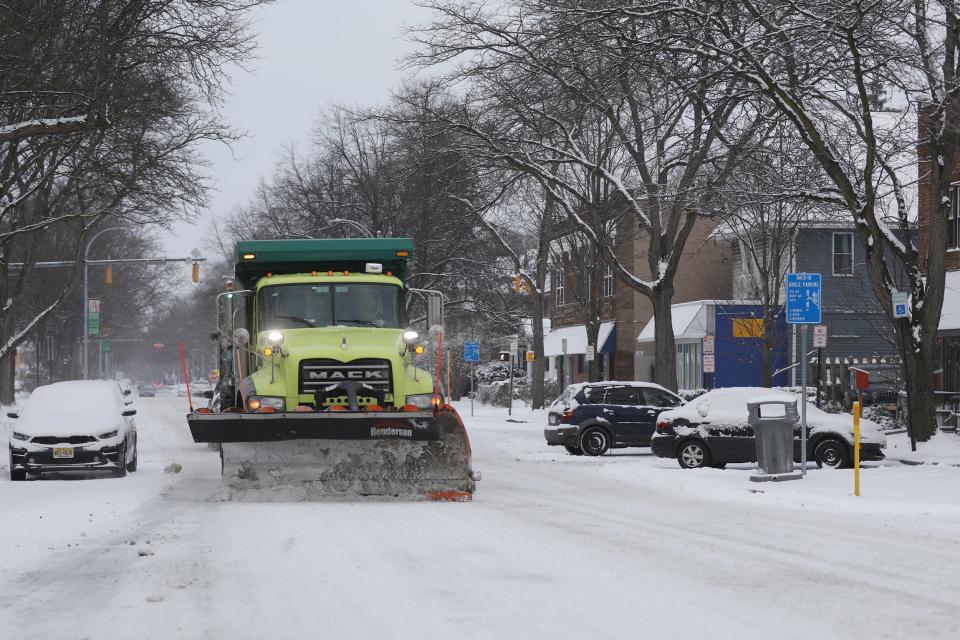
856 324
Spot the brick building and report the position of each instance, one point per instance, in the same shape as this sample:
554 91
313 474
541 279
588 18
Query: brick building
947 370
704 272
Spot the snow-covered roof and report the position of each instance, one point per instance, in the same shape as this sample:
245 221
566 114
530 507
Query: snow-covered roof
950 314
576 336
689 321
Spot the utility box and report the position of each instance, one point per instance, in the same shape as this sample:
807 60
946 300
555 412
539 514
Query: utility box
773 421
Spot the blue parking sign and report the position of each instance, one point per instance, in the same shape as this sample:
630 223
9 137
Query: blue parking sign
804 298
471 351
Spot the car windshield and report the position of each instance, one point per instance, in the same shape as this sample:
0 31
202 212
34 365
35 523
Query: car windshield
295 306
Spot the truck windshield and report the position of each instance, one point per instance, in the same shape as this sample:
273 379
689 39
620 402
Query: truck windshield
295 306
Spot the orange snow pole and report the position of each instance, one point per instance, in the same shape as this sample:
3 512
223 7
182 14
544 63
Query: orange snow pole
436 387
186 379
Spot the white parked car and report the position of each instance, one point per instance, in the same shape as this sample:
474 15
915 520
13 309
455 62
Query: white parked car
77 425
713 430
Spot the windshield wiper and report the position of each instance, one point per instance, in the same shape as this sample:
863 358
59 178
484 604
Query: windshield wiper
369 323
309 323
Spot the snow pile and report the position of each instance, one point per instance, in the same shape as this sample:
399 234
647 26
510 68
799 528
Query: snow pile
72 408
941 449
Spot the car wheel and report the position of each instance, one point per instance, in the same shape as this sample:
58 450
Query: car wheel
16 475
574 451
594 442
693 454
831 454
121 470
132 465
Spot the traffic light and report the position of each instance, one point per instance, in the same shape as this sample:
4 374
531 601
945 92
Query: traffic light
195 276
108 274
516 283
504 356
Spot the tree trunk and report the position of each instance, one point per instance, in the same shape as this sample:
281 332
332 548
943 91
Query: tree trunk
665 345
766 365
7 373
592 327
537 399
918 366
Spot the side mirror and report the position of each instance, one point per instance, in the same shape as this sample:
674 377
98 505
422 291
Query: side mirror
129 412
13 414
703 409
127 392
208 394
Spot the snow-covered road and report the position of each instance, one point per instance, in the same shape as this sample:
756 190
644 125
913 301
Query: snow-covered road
553 546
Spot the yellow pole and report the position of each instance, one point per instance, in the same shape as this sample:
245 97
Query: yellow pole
856 448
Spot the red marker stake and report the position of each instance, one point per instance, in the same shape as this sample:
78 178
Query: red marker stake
436 388
186 380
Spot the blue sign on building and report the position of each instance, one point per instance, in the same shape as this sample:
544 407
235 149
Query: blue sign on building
804 298
471 351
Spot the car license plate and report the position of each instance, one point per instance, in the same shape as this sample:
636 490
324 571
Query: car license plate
63 452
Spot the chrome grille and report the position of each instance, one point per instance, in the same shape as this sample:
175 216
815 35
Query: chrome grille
323 373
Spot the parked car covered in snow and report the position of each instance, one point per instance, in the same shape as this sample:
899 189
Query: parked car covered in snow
713 430
147 391
591 418
77 425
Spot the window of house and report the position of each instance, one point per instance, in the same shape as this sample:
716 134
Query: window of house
843 254
558 279
844 328
607 281
953 217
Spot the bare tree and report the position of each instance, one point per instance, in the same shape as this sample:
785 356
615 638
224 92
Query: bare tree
102 105
540 68
827 66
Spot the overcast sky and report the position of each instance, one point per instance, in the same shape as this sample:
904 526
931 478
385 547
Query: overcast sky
313 53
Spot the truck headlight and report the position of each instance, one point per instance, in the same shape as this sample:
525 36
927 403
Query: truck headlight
422 401
275 338
410 337
259 402
19 436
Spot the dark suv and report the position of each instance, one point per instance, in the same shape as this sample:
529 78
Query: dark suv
590 418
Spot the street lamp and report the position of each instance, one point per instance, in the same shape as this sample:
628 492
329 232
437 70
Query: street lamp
86 252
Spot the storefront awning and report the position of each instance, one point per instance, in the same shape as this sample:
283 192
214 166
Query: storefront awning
689 322
950 314
576 336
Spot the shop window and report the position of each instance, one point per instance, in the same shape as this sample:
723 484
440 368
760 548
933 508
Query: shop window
689 366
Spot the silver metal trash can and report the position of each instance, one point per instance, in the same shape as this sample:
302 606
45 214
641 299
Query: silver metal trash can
773 422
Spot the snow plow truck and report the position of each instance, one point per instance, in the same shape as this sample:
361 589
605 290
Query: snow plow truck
325 390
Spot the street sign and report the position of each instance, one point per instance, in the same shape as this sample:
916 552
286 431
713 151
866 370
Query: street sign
471 351
530 356
900 301
820 336
708 344
93 317
514 345
804 298
105 344
590 353
709 363
563 345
